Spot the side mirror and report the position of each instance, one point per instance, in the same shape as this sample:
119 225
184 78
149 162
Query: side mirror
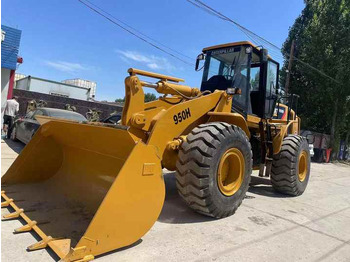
199 58
310 138
264 55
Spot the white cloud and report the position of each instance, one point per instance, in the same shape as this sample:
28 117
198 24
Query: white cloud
153 66
66 66
151 61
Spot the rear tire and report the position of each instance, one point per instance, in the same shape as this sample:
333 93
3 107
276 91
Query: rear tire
198 177
291 166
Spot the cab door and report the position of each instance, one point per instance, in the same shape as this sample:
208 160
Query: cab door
264 86
271 88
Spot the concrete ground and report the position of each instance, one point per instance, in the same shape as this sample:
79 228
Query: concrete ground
267 227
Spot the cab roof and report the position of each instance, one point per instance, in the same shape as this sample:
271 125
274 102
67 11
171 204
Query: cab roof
230 45
233 44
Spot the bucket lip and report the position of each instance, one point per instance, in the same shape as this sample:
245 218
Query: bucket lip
31 225
121 127
55 244
46 119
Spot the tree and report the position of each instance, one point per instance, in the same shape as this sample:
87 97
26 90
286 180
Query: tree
322 39
148 98
120 100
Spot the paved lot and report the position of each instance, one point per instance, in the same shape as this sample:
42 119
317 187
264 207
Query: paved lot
267 227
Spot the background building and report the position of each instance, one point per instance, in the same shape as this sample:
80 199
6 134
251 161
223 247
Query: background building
18 76
10 40
50 87
83 83
84 107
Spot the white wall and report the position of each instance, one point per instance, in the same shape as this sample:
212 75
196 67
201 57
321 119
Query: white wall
22 84
83 83
48 87
5 78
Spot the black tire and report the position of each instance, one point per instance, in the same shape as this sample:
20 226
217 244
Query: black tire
197 167
285 166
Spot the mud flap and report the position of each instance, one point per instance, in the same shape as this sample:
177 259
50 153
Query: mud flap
89 189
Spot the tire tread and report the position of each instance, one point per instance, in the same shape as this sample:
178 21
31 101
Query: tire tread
194 159
284 177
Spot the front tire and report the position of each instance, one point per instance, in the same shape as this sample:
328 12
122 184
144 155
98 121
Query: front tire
213 169
291 166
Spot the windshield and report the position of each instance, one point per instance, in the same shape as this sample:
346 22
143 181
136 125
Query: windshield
67 115
226 62
224 68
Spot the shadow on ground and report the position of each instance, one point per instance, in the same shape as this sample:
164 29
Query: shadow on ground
175 210
262 186
138 242
51 253
16 146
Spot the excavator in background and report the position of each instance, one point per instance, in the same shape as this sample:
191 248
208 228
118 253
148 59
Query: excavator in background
90 188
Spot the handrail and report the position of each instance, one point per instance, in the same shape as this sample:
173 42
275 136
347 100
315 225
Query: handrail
134 71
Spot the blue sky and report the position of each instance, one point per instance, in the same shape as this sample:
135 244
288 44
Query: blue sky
62 39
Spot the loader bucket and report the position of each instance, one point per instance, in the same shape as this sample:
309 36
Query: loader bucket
84 189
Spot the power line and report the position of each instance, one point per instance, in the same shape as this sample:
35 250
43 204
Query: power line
216 13
251 35
133 28
143 38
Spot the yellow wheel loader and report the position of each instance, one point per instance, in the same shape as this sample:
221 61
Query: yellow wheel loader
90 188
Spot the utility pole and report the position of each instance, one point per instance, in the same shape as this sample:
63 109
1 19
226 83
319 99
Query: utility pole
291 55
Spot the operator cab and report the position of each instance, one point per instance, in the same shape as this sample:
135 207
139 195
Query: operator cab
243 66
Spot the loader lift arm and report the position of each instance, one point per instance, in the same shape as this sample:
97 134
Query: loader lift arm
117 176
99 187
179 118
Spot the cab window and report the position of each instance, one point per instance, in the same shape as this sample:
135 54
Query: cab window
255 107
214 67
271 77
255 78
271 87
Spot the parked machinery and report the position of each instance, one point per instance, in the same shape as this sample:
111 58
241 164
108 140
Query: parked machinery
101 187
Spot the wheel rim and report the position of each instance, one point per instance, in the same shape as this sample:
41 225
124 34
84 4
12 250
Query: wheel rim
302 167
231 171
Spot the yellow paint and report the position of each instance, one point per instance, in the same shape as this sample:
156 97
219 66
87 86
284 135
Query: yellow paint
134 99
102 169
229 45
231 118
199 107
225 103
175 89
101 185
26 228
44 119
302 166
283 129
241 43
231 171
134 71
253 121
